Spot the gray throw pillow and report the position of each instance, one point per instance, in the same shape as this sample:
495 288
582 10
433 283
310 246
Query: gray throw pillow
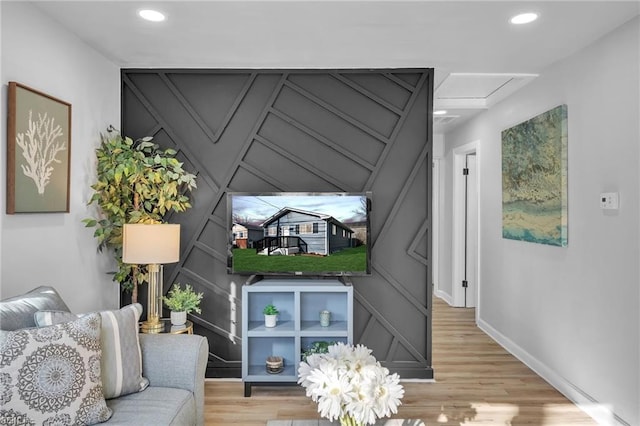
17 312
47 318
121 356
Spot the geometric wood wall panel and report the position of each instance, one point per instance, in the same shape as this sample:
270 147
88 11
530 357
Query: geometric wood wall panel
301 130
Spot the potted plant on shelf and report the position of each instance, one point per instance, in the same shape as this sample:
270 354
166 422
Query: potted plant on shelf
181 302
270 315
318 347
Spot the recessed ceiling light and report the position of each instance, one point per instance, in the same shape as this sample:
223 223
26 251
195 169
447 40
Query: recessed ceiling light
524 18
152 15
440 112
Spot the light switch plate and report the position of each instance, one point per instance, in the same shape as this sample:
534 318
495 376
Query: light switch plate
609 201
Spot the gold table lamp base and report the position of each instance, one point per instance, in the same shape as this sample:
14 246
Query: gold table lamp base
152 326
154 301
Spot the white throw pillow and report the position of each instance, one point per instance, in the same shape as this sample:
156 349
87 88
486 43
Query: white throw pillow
51 375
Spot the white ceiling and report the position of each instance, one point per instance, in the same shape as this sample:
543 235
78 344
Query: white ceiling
478 56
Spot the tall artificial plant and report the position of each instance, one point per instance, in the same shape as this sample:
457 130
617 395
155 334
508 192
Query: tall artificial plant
137 182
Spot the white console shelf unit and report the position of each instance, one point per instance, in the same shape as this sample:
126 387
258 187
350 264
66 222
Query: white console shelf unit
299 302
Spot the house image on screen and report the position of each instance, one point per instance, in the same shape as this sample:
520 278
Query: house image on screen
245 235
292 231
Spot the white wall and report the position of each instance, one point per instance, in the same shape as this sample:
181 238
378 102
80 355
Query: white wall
55 248
436 214
571 313
3 105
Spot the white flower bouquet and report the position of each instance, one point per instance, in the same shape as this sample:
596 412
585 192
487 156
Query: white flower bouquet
349 385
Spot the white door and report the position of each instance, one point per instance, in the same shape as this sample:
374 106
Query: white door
471 226
465 288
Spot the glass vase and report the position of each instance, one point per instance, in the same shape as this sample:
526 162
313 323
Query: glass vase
347 420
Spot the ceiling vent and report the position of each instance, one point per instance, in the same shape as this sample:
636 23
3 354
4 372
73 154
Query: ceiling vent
441 120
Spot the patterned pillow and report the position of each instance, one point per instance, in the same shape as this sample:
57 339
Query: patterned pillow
121 356
51 375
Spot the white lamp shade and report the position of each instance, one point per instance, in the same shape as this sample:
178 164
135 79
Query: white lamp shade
150 244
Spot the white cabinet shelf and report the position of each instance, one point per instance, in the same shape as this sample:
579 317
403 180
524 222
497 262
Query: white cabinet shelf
299 302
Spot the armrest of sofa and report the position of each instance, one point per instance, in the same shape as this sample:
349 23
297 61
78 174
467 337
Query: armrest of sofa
176 361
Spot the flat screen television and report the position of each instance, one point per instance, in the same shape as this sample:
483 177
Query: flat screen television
299 234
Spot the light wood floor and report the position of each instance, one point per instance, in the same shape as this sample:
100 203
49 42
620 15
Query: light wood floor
476 382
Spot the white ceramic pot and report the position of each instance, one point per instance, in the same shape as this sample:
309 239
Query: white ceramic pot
270 320
178 318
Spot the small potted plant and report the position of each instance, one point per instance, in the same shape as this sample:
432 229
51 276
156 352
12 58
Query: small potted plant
181 302
319 347
270 315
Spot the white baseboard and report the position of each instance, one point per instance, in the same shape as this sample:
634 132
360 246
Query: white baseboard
601 413
444 296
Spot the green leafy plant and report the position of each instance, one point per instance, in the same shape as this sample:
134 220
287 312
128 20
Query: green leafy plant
183 300
137 182
270 310
318 347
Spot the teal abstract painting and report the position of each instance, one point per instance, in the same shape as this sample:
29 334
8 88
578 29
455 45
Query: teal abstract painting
534 179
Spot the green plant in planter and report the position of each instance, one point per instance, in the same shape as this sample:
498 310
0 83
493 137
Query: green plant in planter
183 300
318 347
270 310
137 182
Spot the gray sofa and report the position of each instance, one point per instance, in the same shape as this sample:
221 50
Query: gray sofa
174 365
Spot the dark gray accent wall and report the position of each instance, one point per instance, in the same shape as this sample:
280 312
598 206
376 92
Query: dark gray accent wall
294 130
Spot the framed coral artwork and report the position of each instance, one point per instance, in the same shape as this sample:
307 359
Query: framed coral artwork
38 152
